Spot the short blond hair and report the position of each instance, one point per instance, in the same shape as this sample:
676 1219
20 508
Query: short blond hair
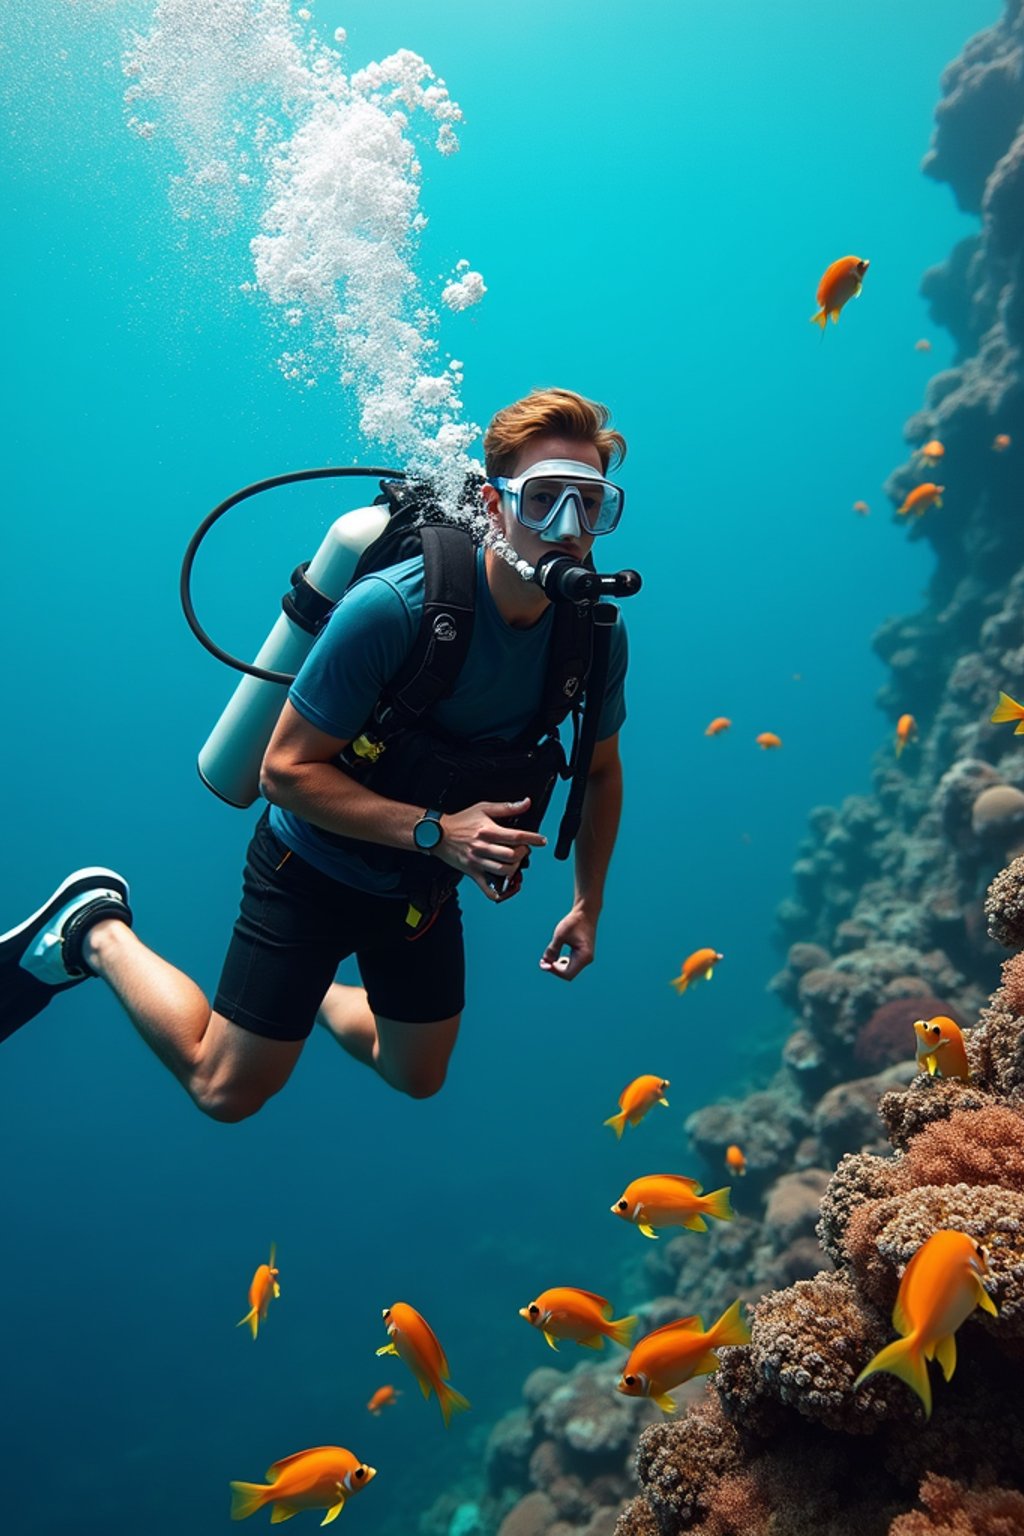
550 412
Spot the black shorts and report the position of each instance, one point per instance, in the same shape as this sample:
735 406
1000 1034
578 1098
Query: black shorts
296 925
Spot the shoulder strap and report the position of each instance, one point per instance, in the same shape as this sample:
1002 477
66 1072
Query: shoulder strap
439 651
569 661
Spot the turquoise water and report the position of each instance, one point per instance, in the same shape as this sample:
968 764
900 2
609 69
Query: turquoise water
651 196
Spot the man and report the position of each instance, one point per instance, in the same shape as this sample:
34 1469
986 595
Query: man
310 898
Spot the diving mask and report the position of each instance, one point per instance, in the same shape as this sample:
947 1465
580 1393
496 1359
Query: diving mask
553 493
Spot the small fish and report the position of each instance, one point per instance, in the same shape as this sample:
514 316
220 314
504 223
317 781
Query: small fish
940 1048
1001 442
906 730
1008 709
940 1288
734 1160
636 1099
719 724
932 452
263 1290
862 509
322 1478
414 1341
669 1200
768 741
700 966
382 1397
676 1353
841 282
567 1313
921 498
924 345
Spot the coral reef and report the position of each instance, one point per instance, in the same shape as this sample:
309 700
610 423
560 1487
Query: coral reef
901 901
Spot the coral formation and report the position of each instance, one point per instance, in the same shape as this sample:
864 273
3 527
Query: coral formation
900 903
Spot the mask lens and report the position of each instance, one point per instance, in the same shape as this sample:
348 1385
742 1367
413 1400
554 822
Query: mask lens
600 502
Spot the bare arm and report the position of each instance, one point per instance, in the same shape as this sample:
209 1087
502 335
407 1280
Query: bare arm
602 806
299 774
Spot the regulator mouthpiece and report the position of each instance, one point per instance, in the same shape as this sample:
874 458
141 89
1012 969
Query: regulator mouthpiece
561 579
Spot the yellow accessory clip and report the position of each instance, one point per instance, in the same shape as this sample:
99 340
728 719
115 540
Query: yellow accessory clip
364 746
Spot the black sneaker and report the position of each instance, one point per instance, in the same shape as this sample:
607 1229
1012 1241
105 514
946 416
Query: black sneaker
43 955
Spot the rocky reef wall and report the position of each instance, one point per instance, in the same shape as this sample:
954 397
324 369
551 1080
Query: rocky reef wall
854 1157
889 923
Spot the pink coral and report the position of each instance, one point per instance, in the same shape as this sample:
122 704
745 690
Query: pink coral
888 1036
984 1146
532 1516
950 1509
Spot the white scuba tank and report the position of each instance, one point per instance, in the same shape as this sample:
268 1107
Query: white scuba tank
230 760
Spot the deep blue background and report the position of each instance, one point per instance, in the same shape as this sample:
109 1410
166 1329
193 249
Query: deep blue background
651 193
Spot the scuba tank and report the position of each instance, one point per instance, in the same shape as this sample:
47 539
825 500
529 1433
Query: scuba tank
229 762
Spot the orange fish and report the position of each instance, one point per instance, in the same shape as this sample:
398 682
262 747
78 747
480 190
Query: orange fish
696 967
1008 709
263 1290
921 498
932 451
940 1048
734 1159
322 1478
636 1099
941 1287
841 282
414 1341
719 724
676 1353
669 1200
382 1397
768 740
1001 442
906 730
924 345
862 509
567 1313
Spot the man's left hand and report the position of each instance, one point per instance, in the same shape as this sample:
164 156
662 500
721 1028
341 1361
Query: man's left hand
576 932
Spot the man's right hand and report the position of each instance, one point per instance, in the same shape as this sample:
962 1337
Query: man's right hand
476 844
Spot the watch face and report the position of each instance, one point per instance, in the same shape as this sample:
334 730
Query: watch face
427 833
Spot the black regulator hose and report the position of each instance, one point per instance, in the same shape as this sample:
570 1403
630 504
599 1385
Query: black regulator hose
185 580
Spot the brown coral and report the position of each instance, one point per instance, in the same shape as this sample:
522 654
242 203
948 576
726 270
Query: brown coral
928 1099
1004 906
807 1345
860 1177
883 1235
950 1509
996 1047
677 1463
984 1146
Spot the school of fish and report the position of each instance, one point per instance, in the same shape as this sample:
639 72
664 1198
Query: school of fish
940 1287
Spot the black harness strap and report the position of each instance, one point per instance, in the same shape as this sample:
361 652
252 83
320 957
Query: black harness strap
446 629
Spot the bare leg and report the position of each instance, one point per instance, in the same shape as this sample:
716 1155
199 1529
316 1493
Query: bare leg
228 1071
346 1014
411 1057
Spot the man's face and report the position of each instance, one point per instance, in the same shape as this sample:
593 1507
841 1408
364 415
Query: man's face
526 543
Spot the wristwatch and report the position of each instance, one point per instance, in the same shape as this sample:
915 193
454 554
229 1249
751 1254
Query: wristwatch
428 831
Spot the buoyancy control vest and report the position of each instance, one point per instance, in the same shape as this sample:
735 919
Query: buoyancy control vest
405 755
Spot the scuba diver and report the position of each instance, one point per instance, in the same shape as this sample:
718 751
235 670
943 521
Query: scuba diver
418 745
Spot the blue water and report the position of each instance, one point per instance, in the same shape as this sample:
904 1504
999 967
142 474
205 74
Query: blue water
651 195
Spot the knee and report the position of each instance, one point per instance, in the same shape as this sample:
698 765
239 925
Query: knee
227 1102
424 1082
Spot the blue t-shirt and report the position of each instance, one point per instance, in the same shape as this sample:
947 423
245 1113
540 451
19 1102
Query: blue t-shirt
365 642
